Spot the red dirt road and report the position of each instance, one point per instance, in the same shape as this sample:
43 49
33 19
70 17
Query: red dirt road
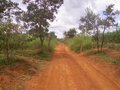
68 71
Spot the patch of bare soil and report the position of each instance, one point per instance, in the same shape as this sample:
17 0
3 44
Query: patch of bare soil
15 75
110 70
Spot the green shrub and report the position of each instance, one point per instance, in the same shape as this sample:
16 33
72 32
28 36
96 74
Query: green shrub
80 43
113 45
36 44
34 49
44 54
12 60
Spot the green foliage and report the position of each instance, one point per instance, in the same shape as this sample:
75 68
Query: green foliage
11 61
70 34
80 43
89 22
92 23
8 8
33 49
35 44
113 46
113 36
105 56
94 52
10 38
112 39
113 59
38 15
45 54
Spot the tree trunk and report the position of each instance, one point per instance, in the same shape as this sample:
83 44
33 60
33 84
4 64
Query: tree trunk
7 48
103 38
81 46
49 43
97 45
97 41
42 42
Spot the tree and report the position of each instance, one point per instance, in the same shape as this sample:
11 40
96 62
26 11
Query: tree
65 34
7 30
9 9
38 15
108 21
90 24
83 30
95 24
71 33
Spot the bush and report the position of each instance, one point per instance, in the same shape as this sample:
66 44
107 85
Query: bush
35 44
12 60
80 43
34 49
113 36
113 46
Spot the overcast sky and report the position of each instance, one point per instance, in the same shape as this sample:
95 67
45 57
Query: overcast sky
70 12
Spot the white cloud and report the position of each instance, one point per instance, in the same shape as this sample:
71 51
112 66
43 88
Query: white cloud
70 12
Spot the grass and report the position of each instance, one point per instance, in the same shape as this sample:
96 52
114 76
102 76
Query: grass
34 50
16 63
11 87
105 55
79 43
113 46
30 68
35 44
117 60
20 87
110 58
12 60
95 52
45 55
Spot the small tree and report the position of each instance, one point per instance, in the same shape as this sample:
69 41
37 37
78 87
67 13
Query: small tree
90 24
108 21
93 23
71 33
7 29
38 15
83 30
65 34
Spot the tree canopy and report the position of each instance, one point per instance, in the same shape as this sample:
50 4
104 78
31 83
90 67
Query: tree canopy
71 33
39 14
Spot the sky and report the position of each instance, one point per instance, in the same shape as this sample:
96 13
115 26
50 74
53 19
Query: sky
71 11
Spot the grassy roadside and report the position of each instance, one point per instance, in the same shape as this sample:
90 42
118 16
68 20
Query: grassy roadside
79 43
24 64
13 76
86 44
108 55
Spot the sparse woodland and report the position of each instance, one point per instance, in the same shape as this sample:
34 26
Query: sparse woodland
97 31
27 46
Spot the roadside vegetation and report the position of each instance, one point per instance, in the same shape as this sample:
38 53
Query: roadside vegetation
27 44
80 43
25 40
97 33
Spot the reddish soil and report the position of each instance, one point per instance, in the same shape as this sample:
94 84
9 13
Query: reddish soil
14 75
111 71
70 71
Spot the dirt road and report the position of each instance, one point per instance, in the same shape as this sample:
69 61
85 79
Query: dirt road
68 71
